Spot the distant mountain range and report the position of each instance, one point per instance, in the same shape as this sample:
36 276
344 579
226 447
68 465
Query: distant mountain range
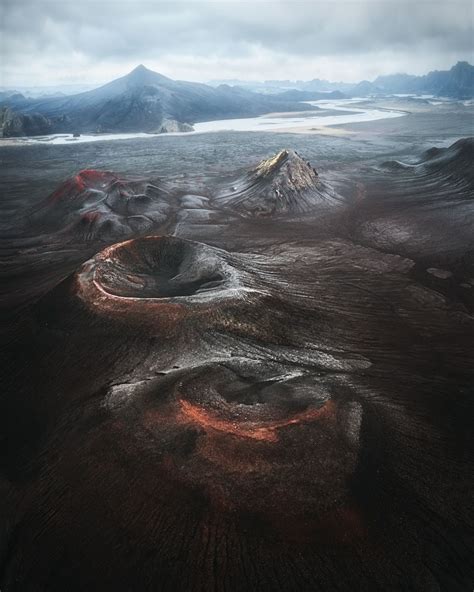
457 83
145 101
141 101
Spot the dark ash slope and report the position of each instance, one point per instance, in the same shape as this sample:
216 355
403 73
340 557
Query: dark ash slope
271 405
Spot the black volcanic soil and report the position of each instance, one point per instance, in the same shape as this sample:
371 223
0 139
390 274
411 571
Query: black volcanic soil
263 382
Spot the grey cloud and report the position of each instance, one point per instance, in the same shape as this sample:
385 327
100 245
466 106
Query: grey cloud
111 32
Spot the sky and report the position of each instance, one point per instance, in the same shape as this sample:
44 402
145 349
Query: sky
56 42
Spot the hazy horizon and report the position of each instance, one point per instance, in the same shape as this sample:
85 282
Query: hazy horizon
91 85
341 41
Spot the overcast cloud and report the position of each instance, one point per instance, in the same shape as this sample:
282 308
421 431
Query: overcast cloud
66 41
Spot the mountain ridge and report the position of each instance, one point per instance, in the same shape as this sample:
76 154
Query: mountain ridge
457 82
146 101
140 101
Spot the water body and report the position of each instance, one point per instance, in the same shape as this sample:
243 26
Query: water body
304 119
262 123
70 139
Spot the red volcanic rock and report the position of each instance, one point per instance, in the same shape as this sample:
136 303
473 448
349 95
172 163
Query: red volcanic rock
73 187
103 206
90 217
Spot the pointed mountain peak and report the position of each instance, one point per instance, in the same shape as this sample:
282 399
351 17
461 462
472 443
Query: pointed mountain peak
142 75
288 163
273 163
283 183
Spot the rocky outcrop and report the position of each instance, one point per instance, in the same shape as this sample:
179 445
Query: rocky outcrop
282 184
15 124
171 126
